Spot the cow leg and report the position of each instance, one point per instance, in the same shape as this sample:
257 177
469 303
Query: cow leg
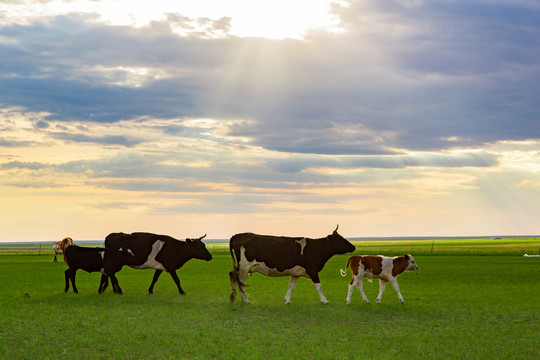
319 291
232 276
394 283
314 276
55 258
242 276
292 284
154 279
177 282
114 283
382 286
103 283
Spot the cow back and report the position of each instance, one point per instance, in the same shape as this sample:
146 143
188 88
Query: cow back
139 243
278 252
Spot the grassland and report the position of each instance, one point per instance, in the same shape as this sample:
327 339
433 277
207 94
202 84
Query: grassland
471 299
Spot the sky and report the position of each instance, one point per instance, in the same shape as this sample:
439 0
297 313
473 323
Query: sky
389 118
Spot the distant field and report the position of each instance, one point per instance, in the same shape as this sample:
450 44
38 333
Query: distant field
472 299
474 246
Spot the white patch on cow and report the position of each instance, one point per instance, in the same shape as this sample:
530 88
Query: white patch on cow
302 243
151 262
128 251
250 267
102 253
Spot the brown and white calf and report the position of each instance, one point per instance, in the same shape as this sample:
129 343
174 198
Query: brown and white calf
386 269
60 246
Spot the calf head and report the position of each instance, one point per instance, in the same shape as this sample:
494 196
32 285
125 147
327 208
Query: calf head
198 249
64 243
339 244
412 264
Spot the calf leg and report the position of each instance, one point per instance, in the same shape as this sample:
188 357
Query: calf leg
70 275
66 273
352 285
292 284
357 282
394 283
360 287
350 291
382 286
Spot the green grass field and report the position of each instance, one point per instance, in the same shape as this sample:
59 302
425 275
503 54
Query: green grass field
475 299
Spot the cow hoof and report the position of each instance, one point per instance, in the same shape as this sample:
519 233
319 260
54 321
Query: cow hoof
287 302
325 302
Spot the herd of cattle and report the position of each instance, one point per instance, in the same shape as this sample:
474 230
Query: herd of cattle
269 255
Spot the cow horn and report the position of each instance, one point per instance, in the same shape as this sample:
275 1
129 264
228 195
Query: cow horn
202 237
336 227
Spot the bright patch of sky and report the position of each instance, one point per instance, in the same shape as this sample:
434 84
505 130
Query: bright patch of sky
275 19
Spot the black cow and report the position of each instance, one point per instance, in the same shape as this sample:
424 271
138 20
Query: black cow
159 252
283 256
106 261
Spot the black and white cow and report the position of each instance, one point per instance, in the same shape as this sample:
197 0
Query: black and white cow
283 256
159 252
106 261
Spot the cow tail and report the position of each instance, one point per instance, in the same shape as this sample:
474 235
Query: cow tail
234 273
344 272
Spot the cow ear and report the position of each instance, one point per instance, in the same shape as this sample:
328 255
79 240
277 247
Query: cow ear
406 256
188 240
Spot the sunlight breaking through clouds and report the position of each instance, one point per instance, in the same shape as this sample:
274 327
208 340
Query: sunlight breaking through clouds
205 18
180 117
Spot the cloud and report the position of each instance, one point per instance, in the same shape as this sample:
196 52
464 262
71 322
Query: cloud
429 106
406 83
23 165
105 140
